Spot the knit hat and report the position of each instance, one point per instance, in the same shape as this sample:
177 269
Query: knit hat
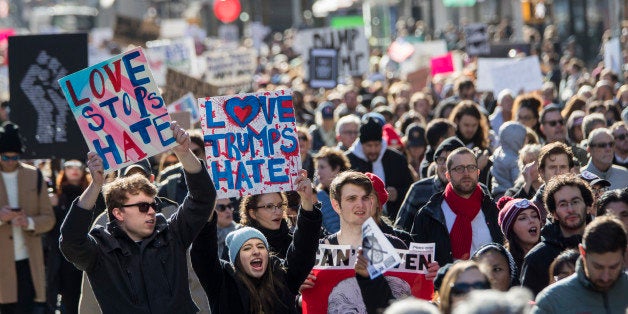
235 239
10 138
510 210
449 144
379 187
370 130
327 110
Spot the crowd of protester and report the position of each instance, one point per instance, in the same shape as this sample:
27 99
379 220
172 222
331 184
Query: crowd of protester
524 195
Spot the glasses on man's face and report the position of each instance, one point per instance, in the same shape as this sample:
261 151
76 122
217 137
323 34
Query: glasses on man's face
223 207
143 206
574 203
620 137
602 145
460 169
464 288
554 123
13 158
270 207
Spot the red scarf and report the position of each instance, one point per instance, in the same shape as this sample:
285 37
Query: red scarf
465 209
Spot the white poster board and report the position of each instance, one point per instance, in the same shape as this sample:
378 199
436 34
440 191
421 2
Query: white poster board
516 74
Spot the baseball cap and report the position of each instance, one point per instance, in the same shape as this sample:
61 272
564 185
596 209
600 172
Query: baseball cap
327 110
415 136
593 179
142 165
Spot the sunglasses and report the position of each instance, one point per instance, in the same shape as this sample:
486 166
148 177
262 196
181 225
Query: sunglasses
602 145
554 123
464 288
7 158
143 206
222 208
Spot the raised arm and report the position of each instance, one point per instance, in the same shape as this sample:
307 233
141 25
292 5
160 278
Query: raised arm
302 251
75 243
201 197
204 257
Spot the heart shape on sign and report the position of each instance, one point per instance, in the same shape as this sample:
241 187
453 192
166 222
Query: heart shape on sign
242 111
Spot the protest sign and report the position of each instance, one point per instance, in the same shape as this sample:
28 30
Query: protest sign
323 68
400 50
423 53
377 249
186 103
134 31
230 66
37 106
178 54
250 142
336 289
516 74
119 110
442 64
179 84
476 36
183 118
612 55
351 43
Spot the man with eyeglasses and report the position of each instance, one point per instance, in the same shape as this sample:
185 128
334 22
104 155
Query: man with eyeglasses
601 148
568 199
620 134
25 214
553 128
600 284
463 217
137 263
347 131
421 191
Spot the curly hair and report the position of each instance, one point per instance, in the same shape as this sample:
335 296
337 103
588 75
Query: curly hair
561 181
117 192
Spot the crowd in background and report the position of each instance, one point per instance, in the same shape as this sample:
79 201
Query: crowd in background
516 189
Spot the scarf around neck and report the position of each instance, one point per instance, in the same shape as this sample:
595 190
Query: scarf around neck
465 209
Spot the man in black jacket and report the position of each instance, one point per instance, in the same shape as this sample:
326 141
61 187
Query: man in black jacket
421 191
370 154
463 217
137 264
568 199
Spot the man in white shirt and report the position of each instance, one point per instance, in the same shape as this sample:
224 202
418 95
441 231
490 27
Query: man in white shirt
25 214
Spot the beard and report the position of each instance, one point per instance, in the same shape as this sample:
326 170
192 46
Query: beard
464 188
573 225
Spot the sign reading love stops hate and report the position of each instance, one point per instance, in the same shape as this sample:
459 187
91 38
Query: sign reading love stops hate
119 109
251 143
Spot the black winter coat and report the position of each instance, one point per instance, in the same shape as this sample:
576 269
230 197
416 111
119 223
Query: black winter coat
228 294
535 269
149 277
430 226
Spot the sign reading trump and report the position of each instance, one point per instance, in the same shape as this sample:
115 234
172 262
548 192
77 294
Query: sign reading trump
119 109
251 142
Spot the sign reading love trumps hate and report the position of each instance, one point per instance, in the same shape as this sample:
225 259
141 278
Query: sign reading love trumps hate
119 109
250 142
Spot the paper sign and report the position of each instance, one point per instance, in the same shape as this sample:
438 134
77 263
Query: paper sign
336 289
250 142
186 103
177 54
442 64
495 74
612 55
423 53
477 39
400 50
351 43
323 68
119 109
377 249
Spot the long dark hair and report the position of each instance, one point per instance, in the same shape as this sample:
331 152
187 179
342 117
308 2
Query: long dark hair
263 292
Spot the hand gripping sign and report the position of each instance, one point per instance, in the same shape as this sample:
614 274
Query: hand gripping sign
251 142
119 109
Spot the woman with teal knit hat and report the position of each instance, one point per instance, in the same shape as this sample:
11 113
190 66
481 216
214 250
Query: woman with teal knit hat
254 280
